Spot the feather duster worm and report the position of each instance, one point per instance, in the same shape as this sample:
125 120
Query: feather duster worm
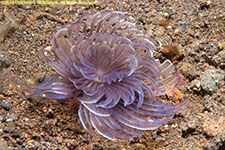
107 64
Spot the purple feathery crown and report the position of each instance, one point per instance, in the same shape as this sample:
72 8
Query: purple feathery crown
107 64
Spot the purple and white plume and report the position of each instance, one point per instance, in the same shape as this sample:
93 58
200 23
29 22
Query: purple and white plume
106 63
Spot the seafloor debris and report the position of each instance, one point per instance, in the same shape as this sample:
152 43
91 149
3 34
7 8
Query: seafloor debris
171 52
8 27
